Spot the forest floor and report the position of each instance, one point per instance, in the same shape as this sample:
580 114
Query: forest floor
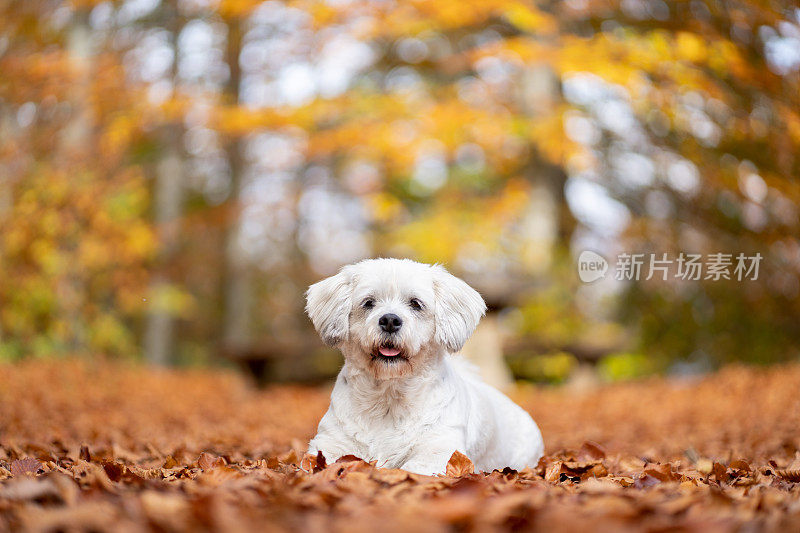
119 447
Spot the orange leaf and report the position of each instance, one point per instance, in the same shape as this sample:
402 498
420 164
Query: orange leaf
459 465
789 475
207 461
721 472
25 467
662 471
592 450
84 453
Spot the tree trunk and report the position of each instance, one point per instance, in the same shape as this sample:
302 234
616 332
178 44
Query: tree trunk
75 144
158 341
168 206
236 283
539 94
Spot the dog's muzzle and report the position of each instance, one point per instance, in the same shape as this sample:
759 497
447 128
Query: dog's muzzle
388 353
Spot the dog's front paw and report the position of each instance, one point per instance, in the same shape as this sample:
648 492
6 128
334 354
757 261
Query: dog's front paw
424 468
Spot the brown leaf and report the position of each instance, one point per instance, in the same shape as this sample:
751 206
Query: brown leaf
307 462
25 467
218 475
623 480
599 486
313 463
321 463
660 471
646 480
592 450
575 471
598 470
389 476
114 471
789 475
459 465
721 472
553 472
84 453
118 472
347 464
741 464
291 458
207 461
348 458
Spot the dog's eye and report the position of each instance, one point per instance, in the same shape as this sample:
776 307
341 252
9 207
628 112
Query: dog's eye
415 304
369 303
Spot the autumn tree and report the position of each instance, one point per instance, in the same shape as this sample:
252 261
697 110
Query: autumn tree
178 172
75 241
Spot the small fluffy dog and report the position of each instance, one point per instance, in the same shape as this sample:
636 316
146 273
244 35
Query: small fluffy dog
402 399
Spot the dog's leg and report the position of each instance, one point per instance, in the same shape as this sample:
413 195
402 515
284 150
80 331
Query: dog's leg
429 467
431 455
331 440
330 449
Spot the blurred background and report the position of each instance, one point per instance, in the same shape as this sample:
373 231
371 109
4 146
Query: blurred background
174 174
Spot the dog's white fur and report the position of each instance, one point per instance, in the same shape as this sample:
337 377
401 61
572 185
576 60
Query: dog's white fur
415 410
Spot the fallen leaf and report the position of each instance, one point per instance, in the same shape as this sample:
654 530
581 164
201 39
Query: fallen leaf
207 461
321 463
646 480
592 450
595 485
623 480
252 477
389 476
721 473
118 472
741 464
553 472
598 470
789 475
459 465
313 463
114 471
84 453
348 458
25 467
661 471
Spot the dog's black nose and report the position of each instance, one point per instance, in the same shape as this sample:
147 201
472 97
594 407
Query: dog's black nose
390 322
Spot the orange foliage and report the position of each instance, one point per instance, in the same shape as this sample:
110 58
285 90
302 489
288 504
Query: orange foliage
114 447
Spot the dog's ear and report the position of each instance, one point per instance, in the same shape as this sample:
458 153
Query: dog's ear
459 307
328 306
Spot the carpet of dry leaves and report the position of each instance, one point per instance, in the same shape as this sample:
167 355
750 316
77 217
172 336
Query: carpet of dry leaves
111 447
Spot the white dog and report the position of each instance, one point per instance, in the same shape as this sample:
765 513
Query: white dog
401 398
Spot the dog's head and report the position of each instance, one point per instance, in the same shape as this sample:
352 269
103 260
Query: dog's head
392 315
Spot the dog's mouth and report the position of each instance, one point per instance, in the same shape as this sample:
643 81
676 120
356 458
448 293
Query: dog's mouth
388 353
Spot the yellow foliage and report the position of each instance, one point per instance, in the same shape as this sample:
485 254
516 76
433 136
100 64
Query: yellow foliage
527 18
454 223
690 47
384 207
118 134
236 8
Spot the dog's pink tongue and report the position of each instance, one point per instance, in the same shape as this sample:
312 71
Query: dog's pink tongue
389 352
